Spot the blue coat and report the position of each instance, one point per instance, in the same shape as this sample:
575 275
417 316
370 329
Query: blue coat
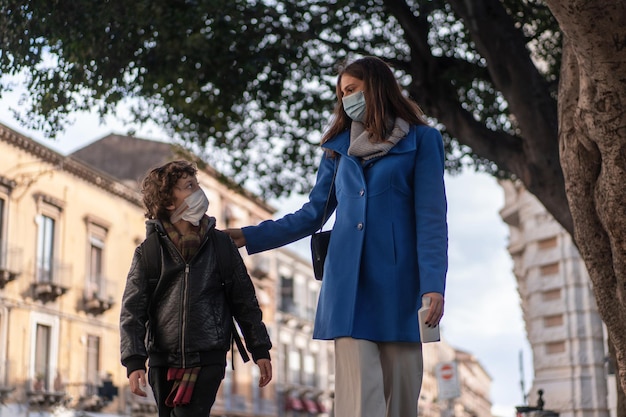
389 241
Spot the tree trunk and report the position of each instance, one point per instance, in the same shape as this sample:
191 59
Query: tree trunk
621 397
592 138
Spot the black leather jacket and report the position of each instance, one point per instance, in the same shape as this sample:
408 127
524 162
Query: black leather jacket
187 321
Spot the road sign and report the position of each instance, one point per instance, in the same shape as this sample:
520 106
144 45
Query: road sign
447 380
446 371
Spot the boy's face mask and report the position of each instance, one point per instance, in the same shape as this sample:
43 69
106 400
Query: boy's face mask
192 209
354 106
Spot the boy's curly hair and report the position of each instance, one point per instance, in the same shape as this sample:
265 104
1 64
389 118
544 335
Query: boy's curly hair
157 187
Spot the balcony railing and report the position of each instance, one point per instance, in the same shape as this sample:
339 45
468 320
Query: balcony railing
90 396
99 295
10 264
39 397
51 283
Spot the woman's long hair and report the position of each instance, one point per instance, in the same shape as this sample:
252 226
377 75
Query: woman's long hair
383 100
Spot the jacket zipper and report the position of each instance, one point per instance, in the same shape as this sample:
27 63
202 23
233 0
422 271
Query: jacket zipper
184 320
183 325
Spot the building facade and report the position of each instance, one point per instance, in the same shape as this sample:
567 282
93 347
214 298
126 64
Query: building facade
304 367
67 236
564 328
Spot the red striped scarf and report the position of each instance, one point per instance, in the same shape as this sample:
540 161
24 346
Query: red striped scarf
184 381
188 244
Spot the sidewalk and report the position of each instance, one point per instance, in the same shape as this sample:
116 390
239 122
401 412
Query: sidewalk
20 410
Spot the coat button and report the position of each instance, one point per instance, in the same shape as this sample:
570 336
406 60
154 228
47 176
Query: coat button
359 226
362 193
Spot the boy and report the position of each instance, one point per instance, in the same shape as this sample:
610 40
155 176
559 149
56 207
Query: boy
181 302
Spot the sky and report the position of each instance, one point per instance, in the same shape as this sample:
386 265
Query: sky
482 306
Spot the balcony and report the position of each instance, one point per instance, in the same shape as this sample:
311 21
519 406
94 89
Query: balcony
5 393
40 397
92 396
51 283
99 296
308 402
10 264
42 400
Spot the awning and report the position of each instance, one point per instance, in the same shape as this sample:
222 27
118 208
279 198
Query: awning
293 403
310 406
320 406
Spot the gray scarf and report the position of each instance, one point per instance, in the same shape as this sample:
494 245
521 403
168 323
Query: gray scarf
362 147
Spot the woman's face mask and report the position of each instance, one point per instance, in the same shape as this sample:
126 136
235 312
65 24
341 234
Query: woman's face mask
354 106
192 209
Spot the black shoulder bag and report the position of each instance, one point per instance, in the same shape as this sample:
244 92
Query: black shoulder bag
321 239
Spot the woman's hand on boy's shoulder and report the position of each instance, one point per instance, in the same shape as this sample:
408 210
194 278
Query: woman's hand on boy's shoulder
237 236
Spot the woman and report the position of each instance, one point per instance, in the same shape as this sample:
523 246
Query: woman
389 242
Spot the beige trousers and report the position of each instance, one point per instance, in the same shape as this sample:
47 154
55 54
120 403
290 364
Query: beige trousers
377 379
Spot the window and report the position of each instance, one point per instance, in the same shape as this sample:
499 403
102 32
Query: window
3 353
98 290
547 243
549 269
311 305
3 245
284 372
553 321
555 347
44 350
309 367
42 357
92 369
45 249
51 277
294 367
10 256
6 261
95 279
287 303
551 295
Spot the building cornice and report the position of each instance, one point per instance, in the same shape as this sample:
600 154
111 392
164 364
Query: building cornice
70 165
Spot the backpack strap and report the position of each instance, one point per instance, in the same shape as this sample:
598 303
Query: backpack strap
226 267
151 258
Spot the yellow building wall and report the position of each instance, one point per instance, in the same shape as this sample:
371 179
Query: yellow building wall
78 205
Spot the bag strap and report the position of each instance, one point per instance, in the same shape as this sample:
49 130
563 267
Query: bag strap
226 267
330 190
